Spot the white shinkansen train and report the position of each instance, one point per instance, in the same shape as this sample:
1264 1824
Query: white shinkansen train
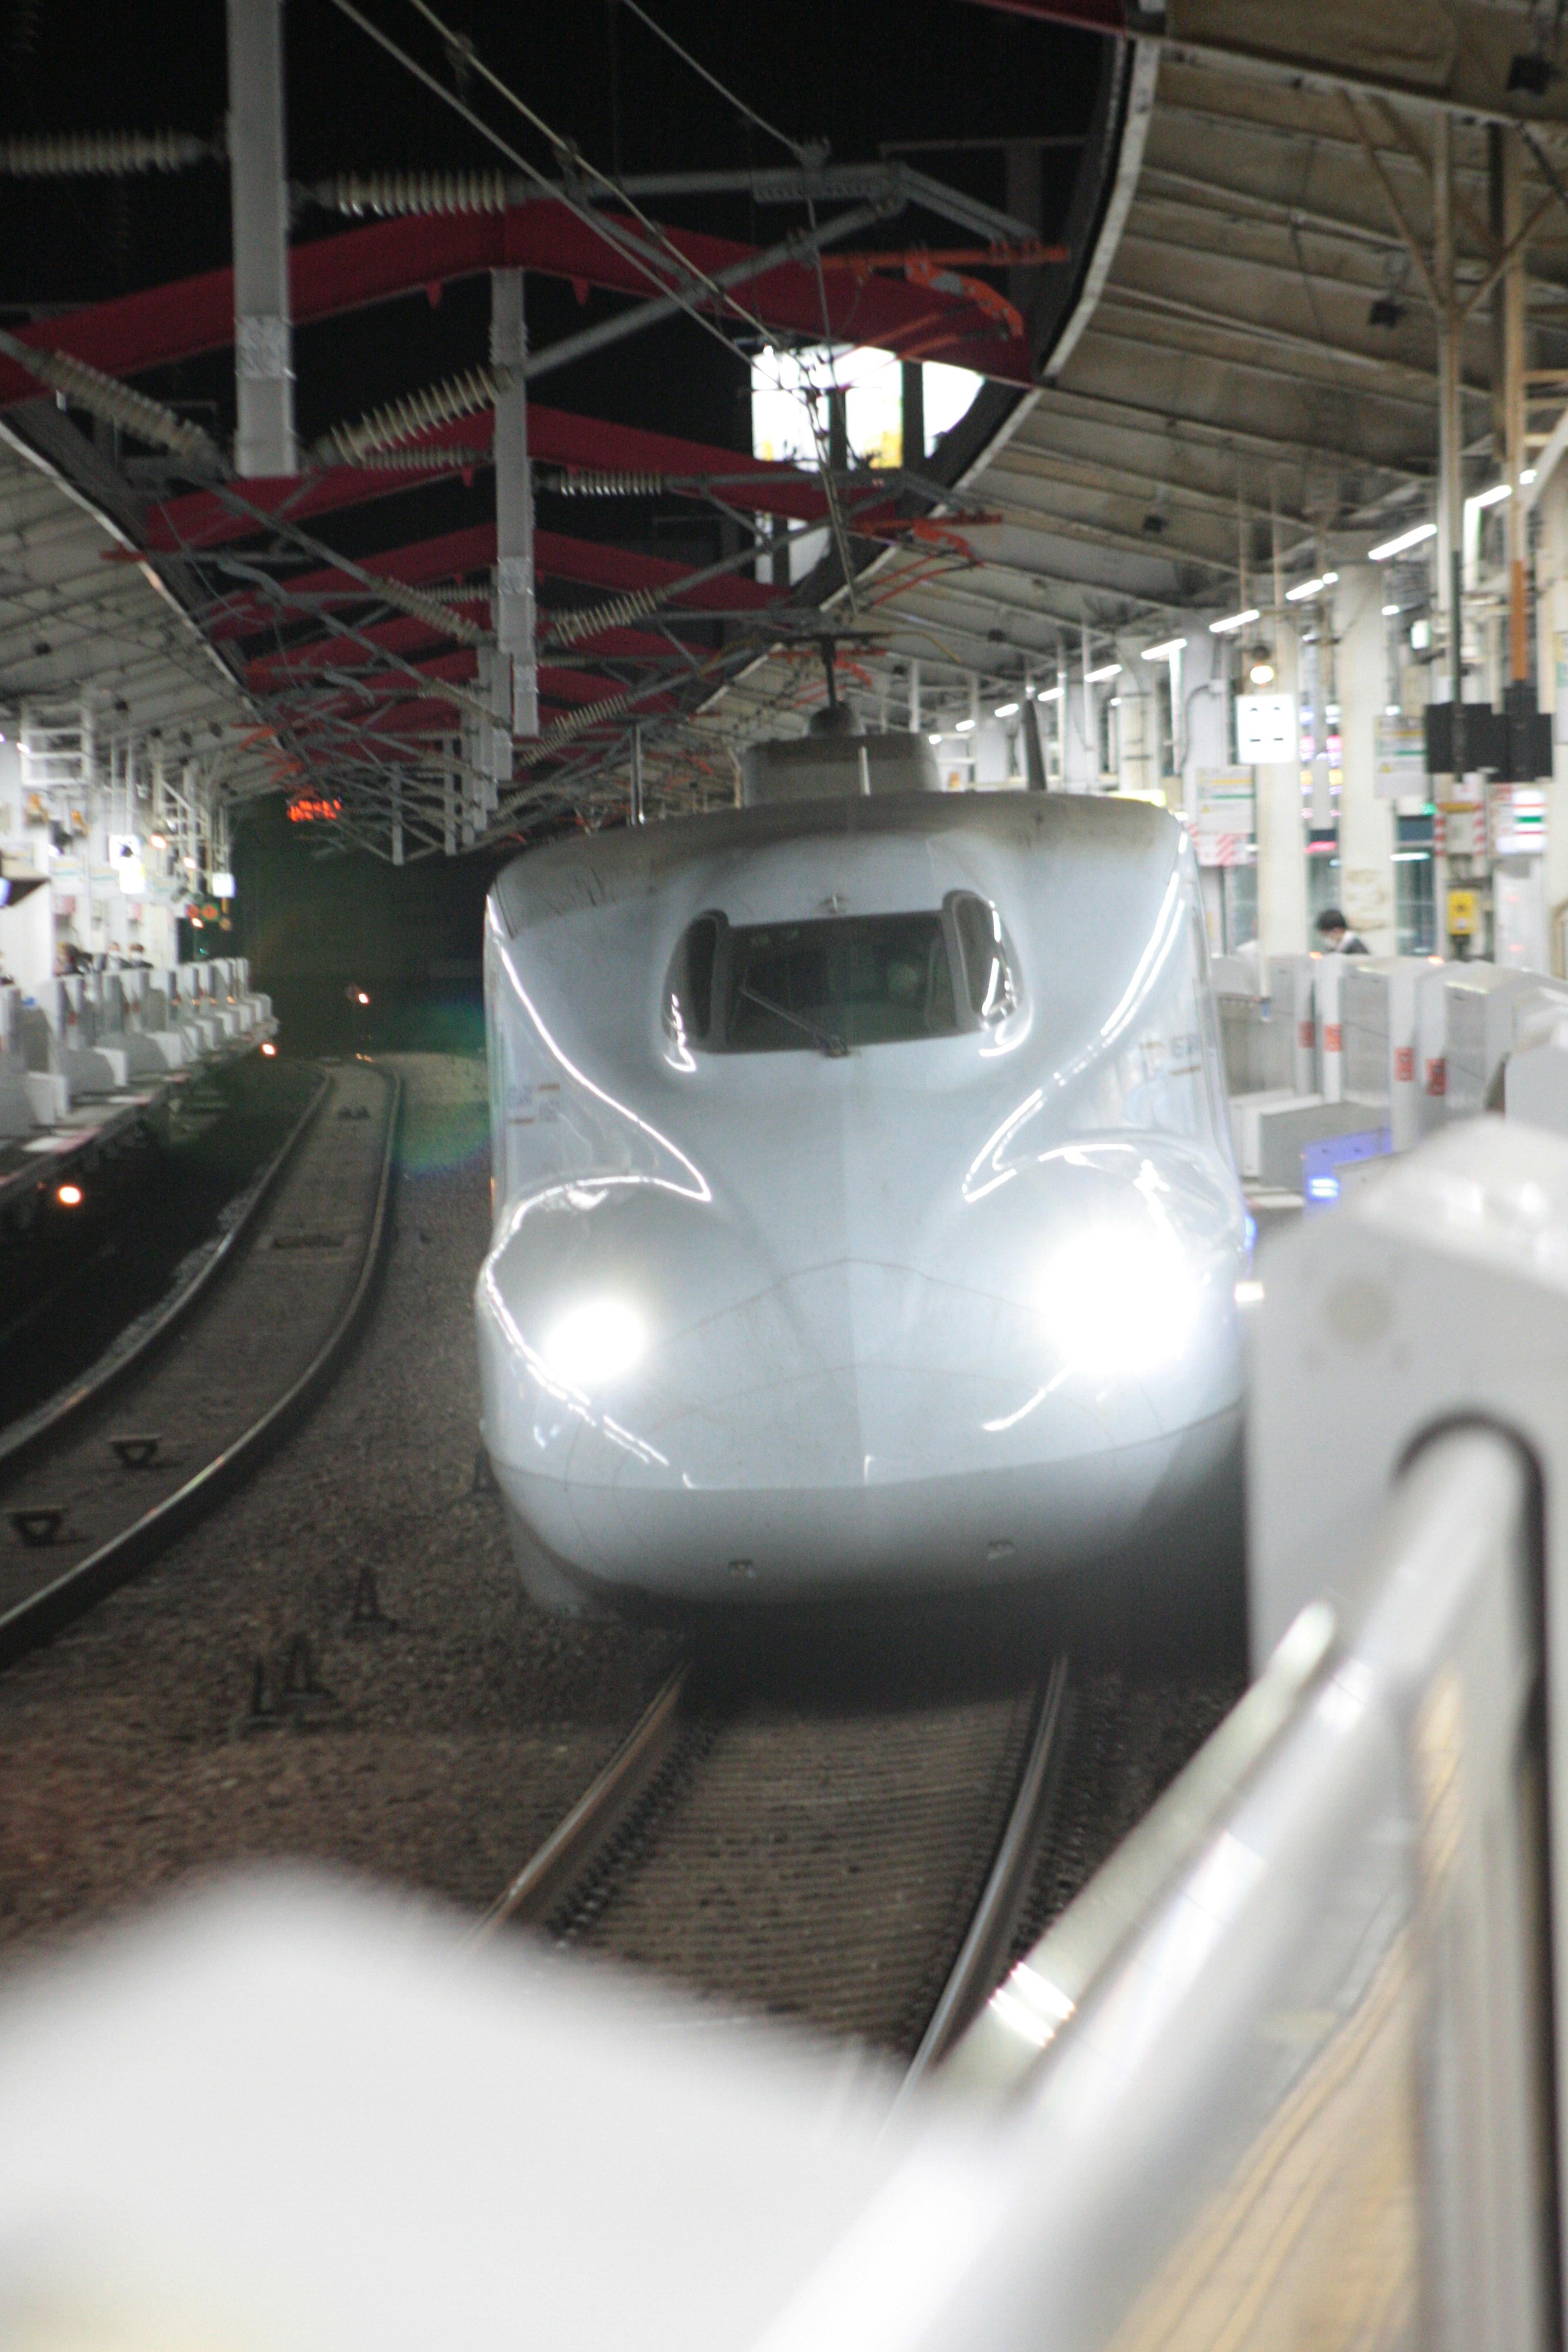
866 1214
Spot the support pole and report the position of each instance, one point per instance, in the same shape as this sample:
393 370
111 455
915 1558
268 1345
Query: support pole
838 430
263 338
1450 420
914 698
1366 819
1512 338
639 812
514 605
1281 838
913 430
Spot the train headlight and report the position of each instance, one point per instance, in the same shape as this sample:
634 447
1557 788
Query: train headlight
594 1343
1119 1299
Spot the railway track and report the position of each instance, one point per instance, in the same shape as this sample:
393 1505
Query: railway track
868 1861
863 1867
95 1487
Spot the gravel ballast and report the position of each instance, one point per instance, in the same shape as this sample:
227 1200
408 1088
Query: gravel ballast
443 1746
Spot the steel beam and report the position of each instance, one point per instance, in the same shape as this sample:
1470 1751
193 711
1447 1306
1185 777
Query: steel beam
337 275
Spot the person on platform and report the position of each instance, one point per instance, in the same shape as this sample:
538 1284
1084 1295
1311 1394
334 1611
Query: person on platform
1337 935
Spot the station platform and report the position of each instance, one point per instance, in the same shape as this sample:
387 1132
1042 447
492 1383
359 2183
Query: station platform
85 1062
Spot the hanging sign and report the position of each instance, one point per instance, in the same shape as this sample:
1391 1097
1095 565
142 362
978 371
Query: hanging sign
1399 770
1226 817
1268 728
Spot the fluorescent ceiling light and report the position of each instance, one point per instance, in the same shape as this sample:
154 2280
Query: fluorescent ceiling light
965 726
1492 497
1049 694
1391 612
933 738
1167 652
1098 677
1310 588
1526 474
1234 621
1423 530
1006 711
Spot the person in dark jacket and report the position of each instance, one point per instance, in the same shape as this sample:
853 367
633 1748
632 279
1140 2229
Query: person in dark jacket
1337 936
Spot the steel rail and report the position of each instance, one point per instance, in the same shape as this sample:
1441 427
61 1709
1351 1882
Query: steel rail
591 1825
597 1813
35 1431
38 1618
979 1966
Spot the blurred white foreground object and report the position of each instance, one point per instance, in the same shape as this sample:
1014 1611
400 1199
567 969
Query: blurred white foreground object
287 2115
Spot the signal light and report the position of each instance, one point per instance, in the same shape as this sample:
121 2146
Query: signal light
68 1195
269 1049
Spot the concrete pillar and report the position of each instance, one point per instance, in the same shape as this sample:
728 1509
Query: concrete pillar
1366 823
258 192
1552 670
1138 728
1205 732
514 607
1281 835
1080 751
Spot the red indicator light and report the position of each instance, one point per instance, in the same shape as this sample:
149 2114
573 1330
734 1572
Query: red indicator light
269 1049
68 1195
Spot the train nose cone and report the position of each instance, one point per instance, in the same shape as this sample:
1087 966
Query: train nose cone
681 1411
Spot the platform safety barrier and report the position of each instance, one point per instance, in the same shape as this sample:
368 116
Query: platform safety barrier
1293 2068
1281 2075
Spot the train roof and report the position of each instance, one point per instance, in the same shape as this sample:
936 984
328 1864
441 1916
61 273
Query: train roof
597 869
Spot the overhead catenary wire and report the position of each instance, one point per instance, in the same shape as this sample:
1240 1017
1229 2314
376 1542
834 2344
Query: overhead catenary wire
611 232
805 154
646 262
714 284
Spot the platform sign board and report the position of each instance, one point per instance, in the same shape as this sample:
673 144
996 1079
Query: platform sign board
1517 820
1268 728
1400 766
1226 816
1462 829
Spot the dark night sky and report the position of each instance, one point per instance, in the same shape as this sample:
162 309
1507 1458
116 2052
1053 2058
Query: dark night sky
858 73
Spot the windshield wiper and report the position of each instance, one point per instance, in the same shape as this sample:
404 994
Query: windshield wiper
832 1046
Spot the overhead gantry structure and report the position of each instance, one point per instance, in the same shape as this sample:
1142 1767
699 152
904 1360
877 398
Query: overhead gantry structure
448 689
1293 302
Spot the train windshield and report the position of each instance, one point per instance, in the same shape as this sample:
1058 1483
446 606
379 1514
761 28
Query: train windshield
854 979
